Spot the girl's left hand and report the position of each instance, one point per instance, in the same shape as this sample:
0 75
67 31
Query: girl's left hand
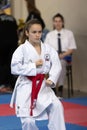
49 82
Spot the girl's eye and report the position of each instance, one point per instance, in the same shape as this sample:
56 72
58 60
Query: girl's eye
34 32
40 31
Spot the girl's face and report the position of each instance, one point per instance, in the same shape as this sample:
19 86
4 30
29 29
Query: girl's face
58 23
34 33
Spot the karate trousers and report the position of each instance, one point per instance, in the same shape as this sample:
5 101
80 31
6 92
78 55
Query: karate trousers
61 79
55 116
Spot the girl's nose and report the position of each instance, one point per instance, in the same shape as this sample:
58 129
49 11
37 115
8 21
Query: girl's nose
37 34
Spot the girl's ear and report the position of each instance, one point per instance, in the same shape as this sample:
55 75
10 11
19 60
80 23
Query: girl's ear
26 33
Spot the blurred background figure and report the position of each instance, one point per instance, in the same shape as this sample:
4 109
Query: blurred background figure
8 43
6 6
21 24
63 41
34 13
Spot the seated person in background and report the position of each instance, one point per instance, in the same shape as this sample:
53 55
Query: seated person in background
64 43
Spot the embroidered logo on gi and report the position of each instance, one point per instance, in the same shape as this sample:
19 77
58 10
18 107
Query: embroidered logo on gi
47 57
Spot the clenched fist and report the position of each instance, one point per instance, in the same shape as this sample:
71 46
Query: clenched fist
49 82
39 63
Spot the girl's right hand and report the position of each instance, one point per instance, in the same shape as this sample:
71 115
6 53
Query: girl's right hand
39 63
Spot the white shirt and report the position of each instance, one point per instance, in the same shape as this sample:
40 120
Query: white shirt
67 39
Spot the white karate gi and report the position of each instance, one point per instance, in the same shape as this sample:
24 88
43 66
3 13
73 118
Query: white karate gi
47 105
67 42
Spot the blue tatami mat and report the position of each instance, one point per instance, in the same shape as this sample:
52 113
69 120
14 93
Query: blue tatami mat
13 123
42 125
10 123
5 98
81 101
74 127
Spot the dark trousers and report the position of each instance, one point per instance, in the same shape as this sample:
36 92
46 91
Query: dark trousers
6 78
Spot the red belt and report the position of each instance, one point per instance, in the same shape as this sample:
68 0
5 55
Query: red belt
35 89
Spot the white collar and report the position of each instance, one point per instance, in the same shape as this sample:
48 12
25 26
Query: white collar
61 31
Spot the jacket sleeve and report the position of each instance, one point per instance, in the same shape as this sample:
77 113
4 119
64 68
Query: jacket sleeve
19 66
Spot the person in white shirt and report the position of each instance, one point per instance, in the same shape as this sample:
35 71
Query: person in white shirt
66 47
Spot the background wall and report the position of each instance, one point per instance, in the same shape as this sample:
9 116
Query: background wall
75 13
19 9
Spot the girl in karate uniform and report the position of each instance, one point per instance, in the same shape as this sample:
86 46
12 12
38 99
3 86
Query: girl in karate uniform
33 94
